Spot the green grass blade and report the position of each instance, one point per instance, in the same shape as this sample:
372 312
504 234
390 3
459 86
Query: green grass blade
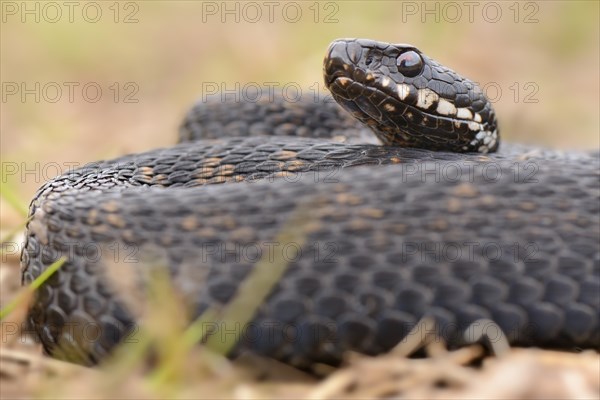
254 290
8 194
11 235
240 311
44 276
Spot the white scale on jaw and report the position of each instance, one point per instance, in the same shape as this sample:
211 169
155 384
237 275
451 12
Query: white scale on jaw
489 140
464 113
403 90
444 107
426 98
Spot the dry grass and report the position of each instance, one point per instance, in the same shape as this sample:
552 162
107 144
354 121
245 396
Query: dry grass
184 370
519 374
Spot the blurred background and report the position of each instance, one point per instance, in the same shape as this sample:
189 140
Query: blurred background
86 81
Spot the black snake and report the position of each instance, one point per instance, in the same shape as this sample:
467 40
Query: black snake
428 224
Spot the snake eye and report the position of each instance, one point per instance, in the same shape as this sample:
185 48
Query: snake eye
409 63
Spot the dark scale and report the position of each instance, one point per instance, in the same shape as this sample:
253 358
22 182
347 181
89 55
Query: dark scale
380 221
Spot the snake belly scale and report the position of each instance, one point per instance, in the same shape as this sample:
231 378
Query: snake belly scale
432 222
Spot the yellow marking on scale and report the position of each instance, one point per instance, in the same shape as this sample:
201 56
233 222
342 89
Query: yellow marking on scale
342 81
389 107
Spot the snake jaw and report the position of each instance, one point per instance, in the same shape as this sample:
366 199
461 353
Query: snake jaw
408 99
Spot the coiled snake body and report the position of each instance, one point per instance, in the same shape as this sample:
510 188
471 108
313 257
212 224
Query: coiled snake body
428 224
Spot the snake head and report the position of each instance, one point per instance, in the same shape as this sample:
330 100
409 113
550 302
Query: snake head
408 99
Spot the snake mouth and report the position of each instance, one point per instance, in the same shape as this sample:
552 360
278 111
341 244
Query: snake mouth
396 114
382 104
336 75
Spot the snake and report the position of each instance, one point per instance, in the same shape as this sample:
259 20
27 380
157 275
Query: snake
385 202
